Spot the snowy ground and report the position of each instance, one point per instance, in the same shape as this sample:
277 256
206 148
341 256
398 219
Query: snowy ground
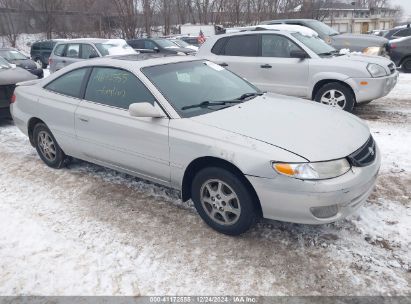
87 230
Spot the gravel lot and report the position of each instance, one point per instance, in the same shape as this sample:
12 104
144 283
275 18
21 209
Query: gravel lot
87 230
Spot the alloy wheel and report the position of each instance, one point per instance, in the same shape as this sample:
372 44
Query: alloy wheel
47 146
220 202
334 98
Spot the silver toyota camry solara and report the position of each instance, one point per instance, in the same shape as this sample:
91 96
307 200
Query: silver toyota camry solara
238 153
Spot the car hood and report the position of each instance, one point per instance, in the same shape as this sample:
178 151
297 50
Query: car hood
358 42
313 131
27 64
365 59
13 76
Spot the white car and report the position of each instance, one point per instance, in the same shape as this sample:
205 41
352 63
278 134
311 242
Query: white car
297 63
189 124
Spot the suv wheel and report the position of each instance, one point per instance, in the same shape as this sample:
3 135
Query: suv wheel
406 65
223 201
336 95
47 147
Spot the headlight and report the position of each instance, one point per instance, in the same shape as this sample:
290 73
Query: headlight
373 50
376 70
313 171
181 53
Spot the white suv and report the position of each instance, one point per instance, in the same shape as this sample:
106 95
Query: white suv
298 63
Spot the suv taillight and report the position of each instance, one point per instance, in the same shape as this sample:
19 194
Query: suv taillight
13 98
49 61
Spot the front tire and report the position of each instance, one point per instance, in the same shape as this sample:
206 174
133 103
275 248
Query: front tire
223 201
336 95
406 65
47 147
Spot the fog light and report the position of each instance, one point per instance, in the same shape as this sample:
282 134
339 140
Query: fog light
324 212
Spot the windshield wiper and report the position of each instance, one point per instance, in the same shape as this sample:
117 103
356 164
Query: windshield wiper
248 95
206 104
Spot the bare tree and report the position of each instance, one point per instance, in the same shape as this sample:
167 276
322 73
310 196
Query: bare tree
12 26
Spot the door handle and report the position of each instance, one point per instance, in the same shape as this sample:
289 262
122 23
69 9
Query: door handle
83 119
223 64
266 66
64 61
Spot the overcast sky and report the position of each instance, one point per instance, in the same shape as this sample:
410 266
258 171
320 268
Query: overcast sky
406 4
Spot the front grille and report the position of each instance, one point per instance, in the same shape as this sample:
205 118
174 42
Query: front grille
365 155
392 68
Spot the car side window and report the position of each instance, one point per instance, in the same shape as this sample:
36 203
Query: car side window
59 51
88 51
117 88
73 51
246 45
277 46
149 45
68 84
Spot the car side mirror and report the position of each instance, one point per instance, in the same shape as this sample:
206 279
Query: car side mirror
144 109
300 54
93 56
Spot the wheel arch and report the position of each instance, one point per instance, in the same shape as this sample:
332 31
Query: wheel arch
209 161
323 82
30 128
404 59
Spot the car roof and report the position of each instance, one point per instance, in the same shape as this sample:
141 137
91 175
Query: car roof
136 61
91 40
290 20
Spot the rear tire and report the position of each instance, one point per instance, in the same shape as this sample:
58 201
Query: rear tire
223 201
336 95
40 62
47 147
406 65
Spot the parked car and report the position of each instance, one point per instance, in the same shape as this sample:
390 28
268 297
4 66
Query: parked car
400 52
398 32
40 51
380 33
192 40
370 44
9 76
70 51
14 56
189 124
182 44
298 64
158 45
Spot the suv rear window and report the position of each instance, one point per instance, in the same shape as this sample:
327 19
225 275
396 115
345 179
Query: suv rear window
59 51
246 46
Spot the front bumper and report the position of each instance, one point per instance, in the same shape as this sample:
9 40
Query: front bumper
292 200
375 87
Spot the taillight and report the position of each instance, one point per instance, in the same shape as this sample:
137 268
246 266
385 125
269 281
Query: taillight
49 61
13 98
393 46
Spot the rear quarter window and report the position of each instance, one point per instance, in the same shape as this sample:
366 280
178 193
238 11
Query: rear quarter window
218 46
245 46
69 84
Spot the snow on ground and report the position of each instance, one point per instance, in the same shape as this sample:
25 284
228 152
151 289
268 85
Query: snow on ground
87 230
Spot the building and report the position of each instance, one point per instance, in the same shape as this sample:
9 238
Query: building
349 17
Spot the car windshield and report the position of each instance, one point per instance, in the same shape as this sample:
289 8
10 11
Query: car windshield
321 28
167 44
4 65
11 55
180 43
115 47
315 44
198 87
